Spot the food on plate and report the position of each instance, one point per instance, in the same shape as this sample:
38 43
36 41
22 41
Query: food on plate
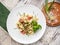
51 11
27 24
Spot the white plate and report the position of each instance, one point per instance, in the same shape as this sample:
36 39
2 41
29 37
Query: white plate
14 17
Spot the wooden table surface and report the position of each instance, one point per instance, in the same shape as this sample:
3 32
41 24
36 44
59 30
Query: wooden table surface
51 36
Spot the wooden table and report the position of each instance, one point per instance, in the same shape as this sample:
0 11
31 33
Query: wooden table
51 36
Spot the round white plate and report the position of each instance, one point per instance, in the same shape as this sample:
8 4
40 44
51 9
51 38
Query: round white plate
14 17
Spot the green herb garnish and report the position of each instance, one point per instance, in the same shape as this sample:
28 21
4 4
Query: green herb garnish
34 22
36 26
50 5
48 8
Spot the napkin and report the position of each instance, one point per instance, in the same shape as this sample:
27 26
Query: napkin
4 12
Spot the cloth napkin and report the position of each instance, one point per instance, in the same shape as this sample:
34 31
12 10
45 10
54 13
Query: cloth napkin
5 7
4 12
